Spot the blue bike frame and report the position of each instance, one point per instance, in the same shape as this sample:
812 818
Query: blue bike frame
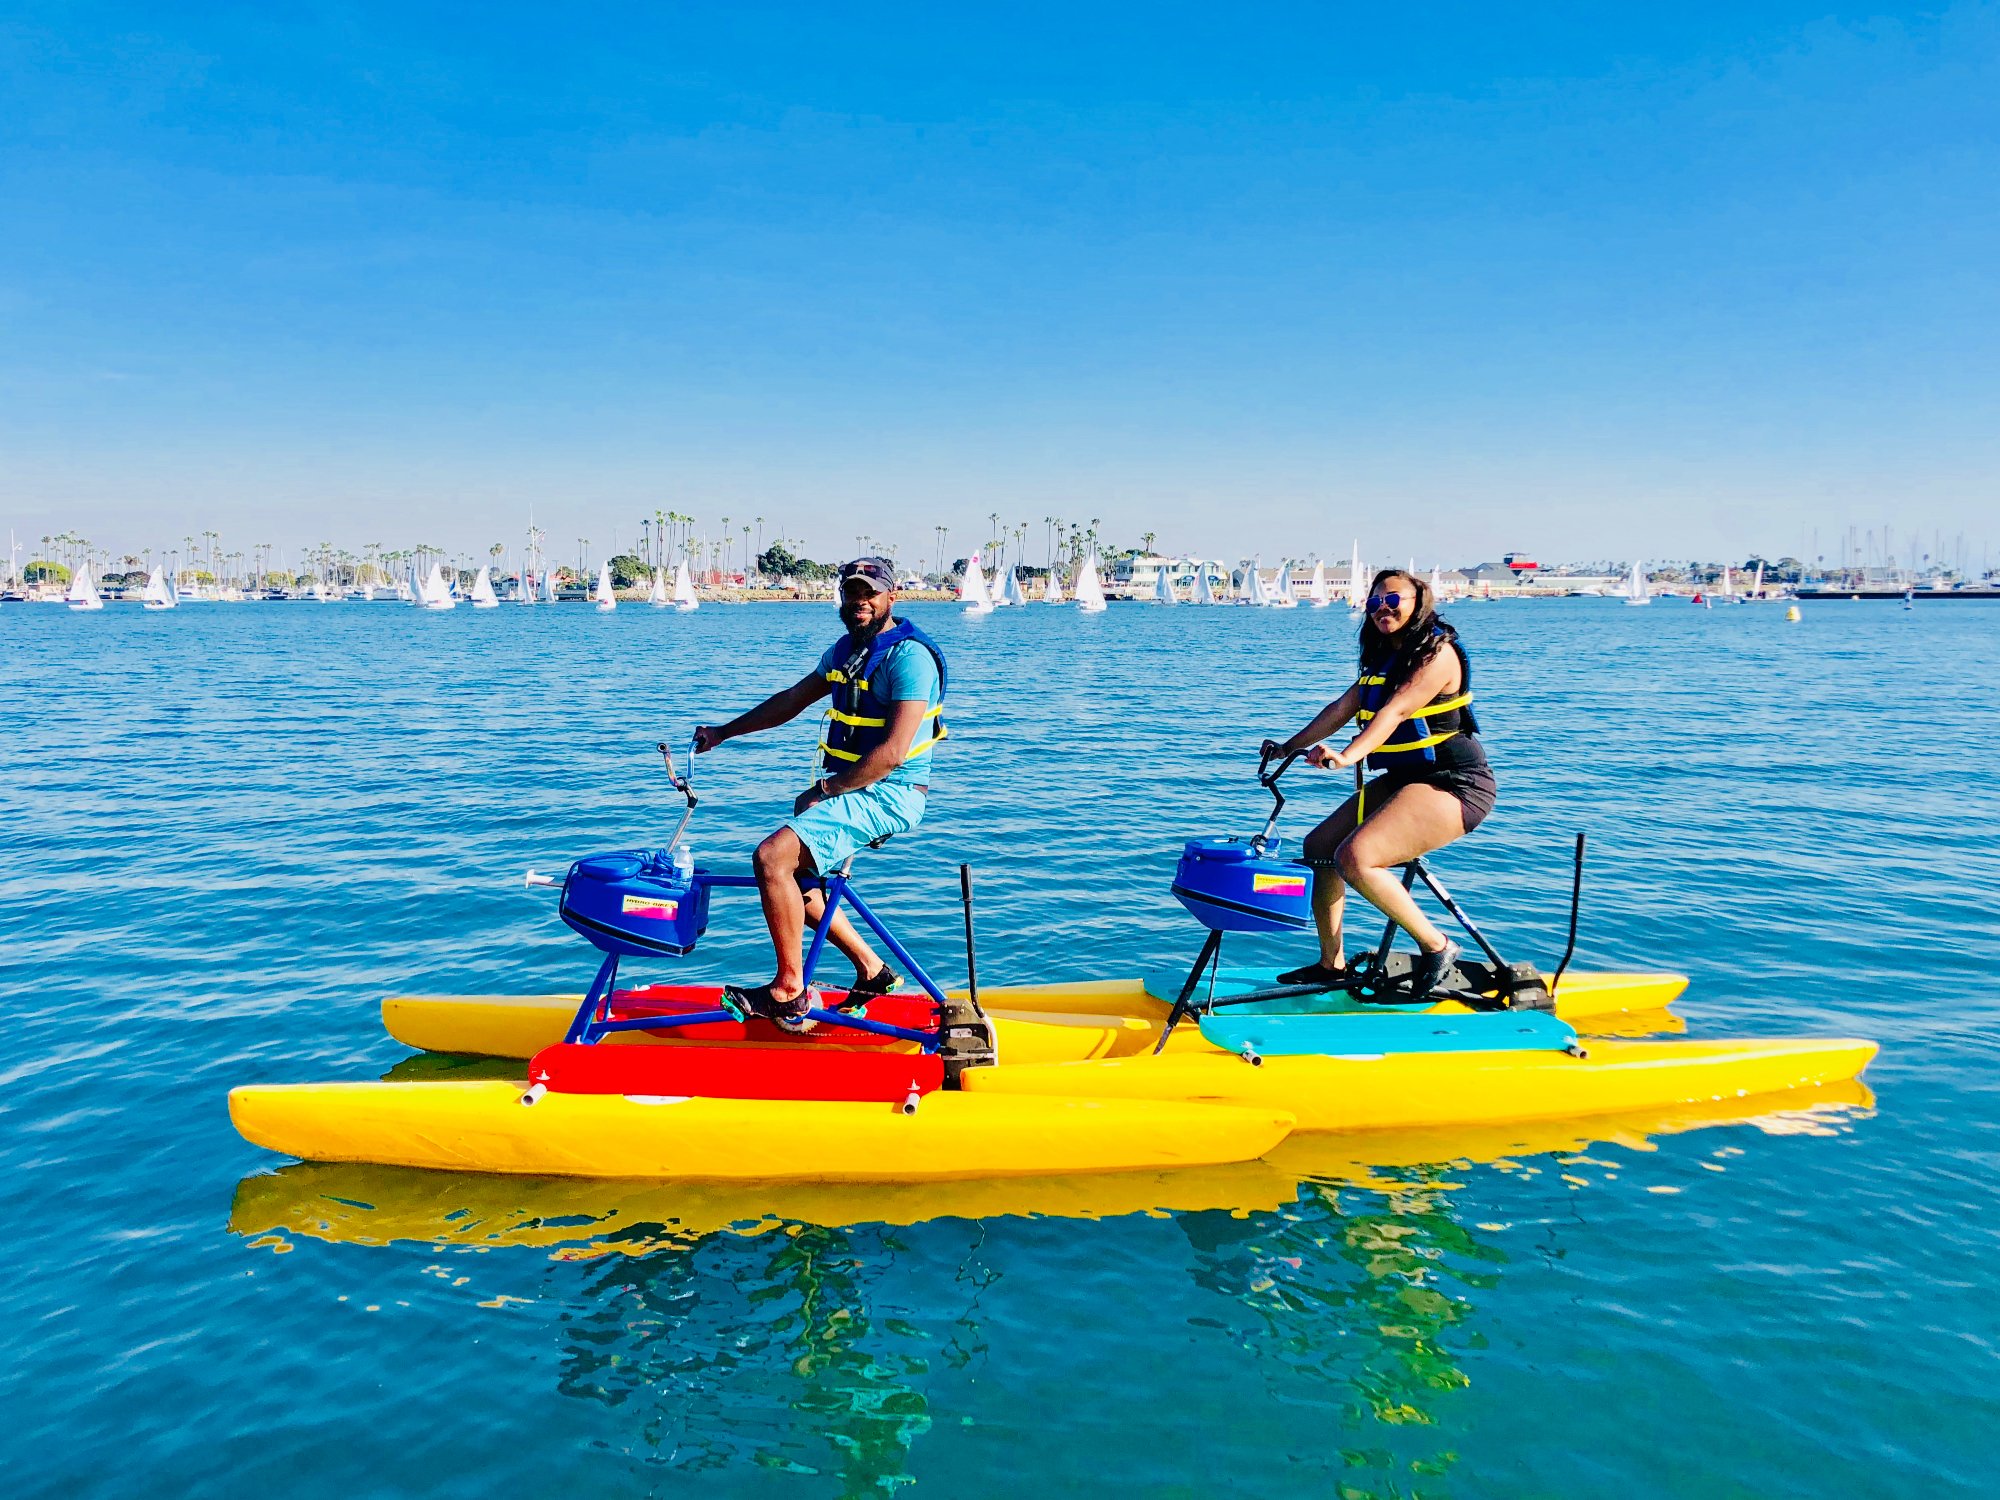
593 1018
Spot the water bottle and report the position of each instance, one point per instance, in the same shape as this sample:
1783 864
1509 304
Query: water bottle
684 861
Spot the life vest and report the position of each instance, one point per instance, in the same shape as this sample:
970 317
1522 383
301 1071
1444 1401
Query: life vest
1432 734
857 719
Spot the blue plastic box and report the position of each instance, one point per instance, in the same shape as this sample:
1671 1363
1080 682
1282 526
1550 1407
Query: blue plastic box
635 902
1230 887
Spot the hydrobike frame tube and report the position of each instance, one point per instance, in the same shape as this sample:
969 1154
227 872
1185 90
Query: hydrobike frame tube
1034 1023
484 1127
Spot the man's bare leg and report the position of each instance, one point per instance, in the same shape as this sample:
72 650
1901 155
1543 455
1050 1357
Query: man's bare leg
779 862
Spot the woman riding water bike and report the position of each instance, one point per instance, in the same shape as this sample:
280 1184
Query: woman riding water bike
1412 700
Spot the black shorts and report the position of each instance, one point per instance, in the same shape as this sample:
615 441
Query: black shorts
1473 786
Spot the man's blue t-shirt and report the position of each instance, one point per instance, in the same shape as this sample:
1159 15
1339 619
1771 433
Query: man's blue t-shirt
908 672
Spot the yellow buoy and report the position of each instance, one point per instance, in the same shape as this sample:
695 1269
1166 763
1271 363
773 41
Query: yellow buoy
1792 614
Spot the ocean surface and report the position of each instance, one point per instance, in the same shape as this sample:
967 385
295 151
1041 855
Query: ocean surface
230 830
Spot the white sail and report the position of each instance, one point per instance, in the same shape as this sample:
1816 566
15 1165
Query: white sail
685 598
1163 586
1636 591
1089 588
1357 591
1012 592
324 594
657 595
1285 598
1254 591
413 588
1204 591
159 593
972 588
1728 583
1316 590
1051 590
548 585
1757 587
437 593
483 596
602 596
1437 585
82 590
367 593
524 591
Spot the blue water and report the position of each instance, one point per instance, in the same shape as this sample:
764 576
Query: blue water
231 829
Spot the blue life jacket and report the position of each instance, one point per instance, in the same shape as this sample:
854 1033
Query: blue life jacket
1432 735
857 719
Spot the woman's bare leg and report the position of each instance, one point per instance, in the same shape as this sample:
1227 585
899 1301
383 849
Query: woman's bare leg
1414 820
1322 852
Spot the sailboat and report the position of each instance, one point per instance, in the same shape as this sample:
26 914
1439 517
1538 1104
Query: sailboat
367 593
685 599
972 589
1357 591
1757 585
657 595
548 585
1437 585
1051 590
1285 598
602 596
1089 588
1316 590
437 593
1163 586
413 588
82 591
1253 585
1012 592
1204 591
483 596
1636 591
324 594
159 593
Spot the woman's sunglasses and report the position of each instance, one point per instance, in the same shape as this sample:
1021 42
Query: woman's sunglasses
1384 601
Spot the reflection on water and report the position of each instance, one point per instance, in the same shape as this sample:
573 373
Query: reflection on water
804 1328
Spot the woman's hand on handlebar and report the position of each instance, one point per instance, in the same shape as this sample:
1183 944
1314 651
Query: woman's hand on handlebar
1327 759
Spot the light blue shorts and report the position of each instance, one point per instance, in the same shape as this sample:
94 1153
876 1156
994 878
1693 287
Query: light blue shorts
834 829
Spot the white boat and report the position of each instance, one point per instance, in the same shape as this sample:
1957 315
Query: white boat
685 598
1757 586
602 595
1163 587
1285 598
657 594
483 596
324 594
1357 590
1437 585
548 585
1011 591
1051 590
437 593
972 589
408 589
1253 585
1909 598
82 591
367 593
1316 590
1636 591
1204 591
524 592
159 593
1089 588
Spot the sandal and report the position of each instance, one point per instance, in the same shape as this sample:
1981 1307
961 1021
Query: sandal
1318 973
884 981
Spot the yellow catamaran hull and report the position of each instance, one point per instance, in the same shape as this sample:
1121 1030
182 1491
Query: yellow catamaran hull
1034 1023
484 1127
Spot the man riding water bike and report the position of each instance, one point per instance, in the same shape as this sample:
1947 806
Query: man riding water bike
1413 699
886 679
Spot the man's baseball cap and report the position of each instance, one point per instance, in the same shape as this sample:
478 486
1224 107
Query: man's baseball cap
877 572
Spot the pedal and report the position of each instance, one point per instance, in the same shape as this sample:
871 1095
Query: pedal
969 1040
1522 987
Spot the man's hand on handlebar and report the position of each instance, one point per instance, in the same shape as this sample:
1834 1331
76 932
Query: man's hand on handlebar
707 737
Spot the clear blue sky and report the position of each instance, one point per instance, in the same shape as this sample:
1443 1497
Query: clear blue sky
1594 280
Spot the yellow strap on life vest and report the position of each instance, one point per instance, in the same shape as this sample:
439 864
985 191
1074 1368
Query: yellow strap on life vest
1423 744
860 721
1365 714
